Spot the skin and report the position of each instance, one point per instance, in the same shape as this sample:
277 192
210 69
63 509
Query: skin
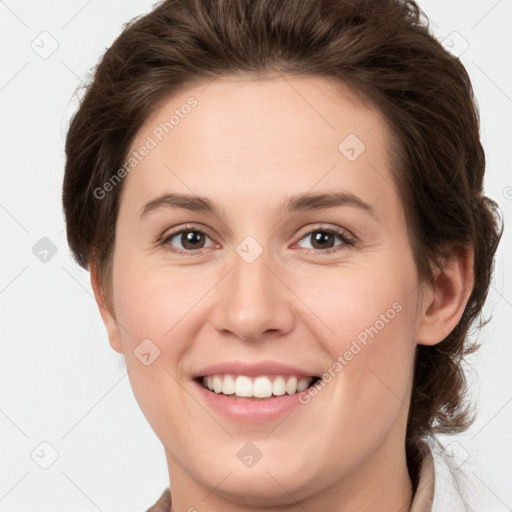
248 146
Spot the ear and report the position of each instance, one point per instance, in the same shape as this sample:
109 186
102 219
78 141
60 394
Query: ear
444 303
105 310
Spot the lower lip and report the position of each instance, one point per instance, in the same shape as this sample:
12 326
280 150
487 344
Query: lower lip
249 410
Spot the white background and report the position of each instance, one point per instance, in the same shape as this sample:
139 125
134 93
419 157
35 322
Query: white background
60 382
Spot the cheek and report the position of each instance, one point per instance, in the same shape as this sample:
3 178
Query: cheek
148 309
154 305
364 304
371 316
157 314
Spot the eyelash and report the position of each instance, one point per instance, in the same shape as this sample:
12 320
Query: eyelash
348 240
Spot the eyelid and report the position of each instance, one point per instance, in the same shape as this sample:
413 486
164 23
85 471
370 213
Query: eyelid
337 230
185 227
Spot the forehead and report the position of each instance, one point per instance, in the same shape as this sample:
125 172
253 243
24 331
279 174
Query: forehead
268 135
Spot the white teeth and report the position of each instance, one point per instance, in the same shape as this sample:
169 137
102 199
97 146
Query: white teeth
228 386
262 387
279 386
291 385
257 387
243 386
217 384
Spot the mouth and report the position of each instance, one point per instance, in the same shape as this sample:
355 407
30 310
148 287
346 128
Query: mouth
261 387
249 391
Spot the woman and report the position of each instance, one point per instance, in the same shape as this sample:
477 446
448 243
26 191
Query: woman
281 207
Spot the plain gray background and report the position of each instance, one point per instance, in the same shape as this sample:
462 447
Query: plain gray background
60 383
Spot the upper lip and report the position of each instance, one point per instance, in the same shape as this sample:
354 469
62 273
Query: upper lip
253 369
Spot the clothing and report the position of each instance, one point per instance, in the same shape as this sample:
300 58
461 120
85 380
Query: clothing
163 504
439 487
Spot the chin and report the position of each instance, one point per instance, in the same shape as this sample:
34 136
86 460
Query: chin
262 488
276 479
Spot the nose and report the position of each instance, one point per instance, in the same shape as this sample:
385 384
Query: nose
253 301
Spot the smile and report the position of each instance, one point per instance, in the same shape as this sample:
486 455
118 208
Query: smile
253 391
262 386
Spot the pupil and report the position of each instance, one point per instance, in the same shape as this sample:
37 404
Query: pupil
321 237
191 238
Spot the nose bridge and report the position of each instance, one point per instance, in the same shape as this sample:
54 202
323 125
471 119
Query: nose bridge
253 300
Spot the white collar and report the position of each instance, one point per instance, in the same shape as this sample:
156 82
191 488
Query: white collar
439 486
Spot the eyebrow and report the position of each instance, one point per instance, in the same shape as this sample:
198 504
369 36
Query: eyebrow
302 202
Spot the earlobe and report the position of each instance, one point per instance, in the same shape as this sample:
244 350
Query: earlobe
106 314
444 303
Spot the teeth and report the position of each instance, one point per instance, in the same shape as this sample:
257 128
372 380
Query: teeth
257 387
228 385
279 386
217 384
262 387
291 385
302 385
243 386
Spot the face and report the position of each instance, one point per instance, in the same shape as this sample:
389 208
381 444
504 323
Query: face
261 245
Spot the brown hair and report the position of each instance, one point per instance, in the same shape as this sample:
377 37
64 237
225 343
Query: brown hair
384 52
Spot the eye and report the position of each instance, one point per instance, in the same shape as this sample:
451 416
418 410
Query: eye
188 241
323 240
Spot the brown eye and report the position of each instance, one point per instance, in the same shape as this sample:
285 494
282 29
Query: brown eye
192 240
324 240
186 240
